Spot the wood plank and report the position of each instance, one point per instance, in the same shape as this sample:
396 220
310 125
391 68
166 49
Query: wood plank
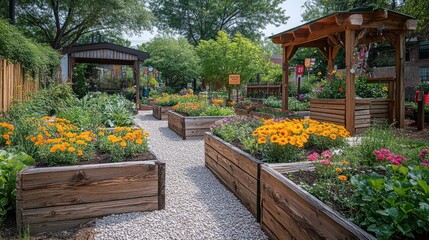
248 199
327 101
250 182
327 110
161 184
54 176
292 167
97 191
328 106
315 217
334 117
36 228
89 210
275 228
244 160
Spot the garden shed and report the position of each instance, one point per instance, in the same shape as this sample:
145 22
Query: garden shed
107 53
347 30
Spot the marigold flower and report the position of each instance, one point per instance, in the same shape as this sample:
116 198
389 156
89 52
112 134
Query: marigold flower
338 169
71 149
345 163
79 152
262 140
139 141
8 142
5 136
80 142
123 144
342 178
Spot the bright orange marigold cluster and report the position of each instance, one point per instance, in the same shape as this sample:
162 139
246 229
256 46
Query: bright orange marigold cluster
6 131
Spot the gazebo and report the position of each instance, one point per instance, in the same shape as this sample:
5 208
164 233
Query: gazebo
346 30
107 53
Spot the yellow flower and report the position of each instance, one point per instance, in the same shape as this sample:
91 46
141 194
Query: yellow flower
80 142
333 136
319 73
345 163
262 140
71 149
384 88
338 169
79 152
139 141
123 144
342 178
101 134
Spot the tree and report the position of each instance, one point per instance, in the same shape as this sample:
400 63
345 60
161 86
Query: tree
314 9
176 59
62 23
224 56
420 10
202 19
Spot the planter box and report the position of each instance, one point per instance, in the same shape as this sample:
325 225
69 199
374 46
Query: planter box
366 111
145 107
237 170
190 126
161 112
289 212
240 111
58 198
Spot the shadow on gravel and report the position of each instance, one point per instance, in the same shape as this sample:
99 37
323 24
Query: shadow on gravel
170 134
214 196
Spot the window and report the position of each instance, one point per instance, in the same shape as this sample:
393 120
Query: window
424 50
424 74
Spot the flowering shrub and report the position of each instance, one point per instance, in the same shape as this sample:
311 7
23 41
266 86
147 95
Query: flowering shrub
122 142
6 132
332 88
173 99
386 155
60 142
285 137
191 109
238 128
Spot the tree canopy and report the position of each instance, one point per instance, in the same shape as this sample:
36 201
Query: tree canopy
225 55
176 59
202 19
62 23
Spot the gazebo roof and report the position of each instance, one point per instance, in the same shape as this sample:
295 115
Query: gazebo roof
358 19
107 53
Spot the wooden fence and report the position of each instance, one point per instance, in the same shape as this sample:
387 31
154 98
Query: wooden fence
15 84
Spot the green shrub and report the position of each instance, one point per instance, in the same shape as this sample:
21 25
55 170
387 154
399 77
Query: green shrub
218 111
369 90
10 164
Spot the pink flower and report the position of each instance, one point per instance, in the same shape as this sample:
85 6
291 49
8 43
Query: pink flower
425 163
317 91
313 157
327 154
325 162
340 90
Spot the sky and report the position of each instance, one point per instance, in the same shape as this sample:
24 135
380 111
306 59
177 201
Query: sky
293 10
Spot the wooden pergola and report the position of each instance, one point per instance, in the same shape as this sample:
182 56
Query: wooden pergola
347 30
107 53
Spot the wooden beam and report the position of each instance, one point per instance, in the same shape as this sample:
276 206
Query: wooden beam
410 24
285 77
286 38
354 19
324 52
350 84
137 77
291 52
380 15
301 33
399 103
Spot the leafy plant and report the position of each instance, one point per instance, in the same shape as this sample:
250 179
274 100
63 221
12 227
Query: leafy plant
334 88
369 90
217 111
10 164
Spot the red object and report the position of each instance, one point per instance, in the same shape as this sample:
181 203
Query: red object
340 90
299 69
425 97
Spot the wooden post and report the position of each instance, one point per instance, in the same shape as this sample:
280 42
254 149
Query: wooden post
137 77
285 79
70 73
350 83
330 59
399 83
420 111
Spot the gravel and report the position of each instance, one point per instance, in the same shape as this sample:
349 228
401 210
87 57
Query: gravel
198 206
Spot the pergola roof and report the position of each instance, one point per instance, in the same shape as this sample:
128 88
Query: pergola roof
317 32
106 53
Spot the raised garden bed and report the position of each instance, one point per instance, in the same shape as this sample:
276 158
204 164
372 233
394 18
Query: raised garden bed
252 113
161 112
59 198
366 111
289 212
237 170
186 126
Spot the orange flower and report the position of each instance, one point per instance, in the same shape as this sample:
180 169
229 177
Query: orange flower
8 142
338 169
71 149
342 178
79 152
123 144
5 136
345 163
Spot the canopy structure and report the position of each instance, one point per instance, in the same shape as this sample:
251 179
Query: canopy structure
107 53
347 30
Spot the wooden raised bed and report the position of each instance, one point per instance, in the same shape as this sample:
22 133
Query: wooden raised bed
289 212
161 112
237 170
59 198
190 126
367 111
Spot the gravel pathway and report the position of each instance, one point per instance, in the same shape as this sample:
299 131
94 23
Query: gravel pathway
198 206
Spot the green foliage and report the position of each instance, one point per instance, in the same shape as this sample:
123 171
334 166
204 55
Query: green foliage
10 164
423 86
175 59
394 205
376 137
218 111
334 88
76 18
224 56
275 153
238 128
200 20
46 102
17 48
369 90
420 10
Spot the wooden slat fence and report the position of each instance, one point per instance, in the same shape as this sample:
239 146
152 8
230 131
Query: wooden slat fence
15 84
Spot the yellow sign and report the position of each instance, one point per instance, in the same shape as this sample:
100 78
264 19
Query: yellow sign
307 62
234 79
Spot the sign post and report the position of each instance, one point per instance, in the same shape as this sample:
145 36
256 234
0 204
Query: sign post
234 79
299 72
